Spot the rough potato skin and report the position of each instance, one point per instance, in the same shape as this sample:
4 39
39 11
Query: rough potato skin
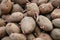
55 34
39 2
6 6
55 3
17 8
45 8
32 9
14 17
44 23
2 32
6 38
56 22
38 39
45 36
55 14
16 36
2 22
12 28
27 25
30 37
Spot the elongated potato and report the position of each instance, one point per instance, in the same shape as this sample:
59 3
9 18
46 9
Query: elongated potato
44 23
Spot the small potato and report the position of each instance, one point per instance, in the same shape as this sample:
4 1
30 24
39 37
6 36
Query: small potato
45 36
44 23
55 14
55 3
27 25
2 32
56 22
30 37
56 34
45 8
38 39
17 8
32 9
12 28
6 38
16 36
6 6
14 17
39 2
2 22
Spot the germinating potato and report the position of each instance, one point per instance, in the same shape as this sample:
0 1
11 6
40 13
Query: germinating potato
39 2
2 22
44 23
55 14
6 38
32 9
6 6
55 3
56 22
27 25
17 8
2 32
12 28
45 8
30 37
56 34
16 36
45 36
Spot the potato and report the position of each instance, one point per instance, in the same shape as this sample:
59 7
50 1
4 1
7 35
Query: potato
12 28
17 36
45 36
2 32
6 38
56 34
21 2
37 31
17 8
45 8
6 6
44 23
27 25
55 14
30 37
39 2
38 39
55 3
32 9
14 17
2 22
56 22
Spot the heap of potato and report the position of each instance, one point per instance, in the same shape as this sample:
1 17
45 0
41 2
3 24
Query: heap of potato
29 19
